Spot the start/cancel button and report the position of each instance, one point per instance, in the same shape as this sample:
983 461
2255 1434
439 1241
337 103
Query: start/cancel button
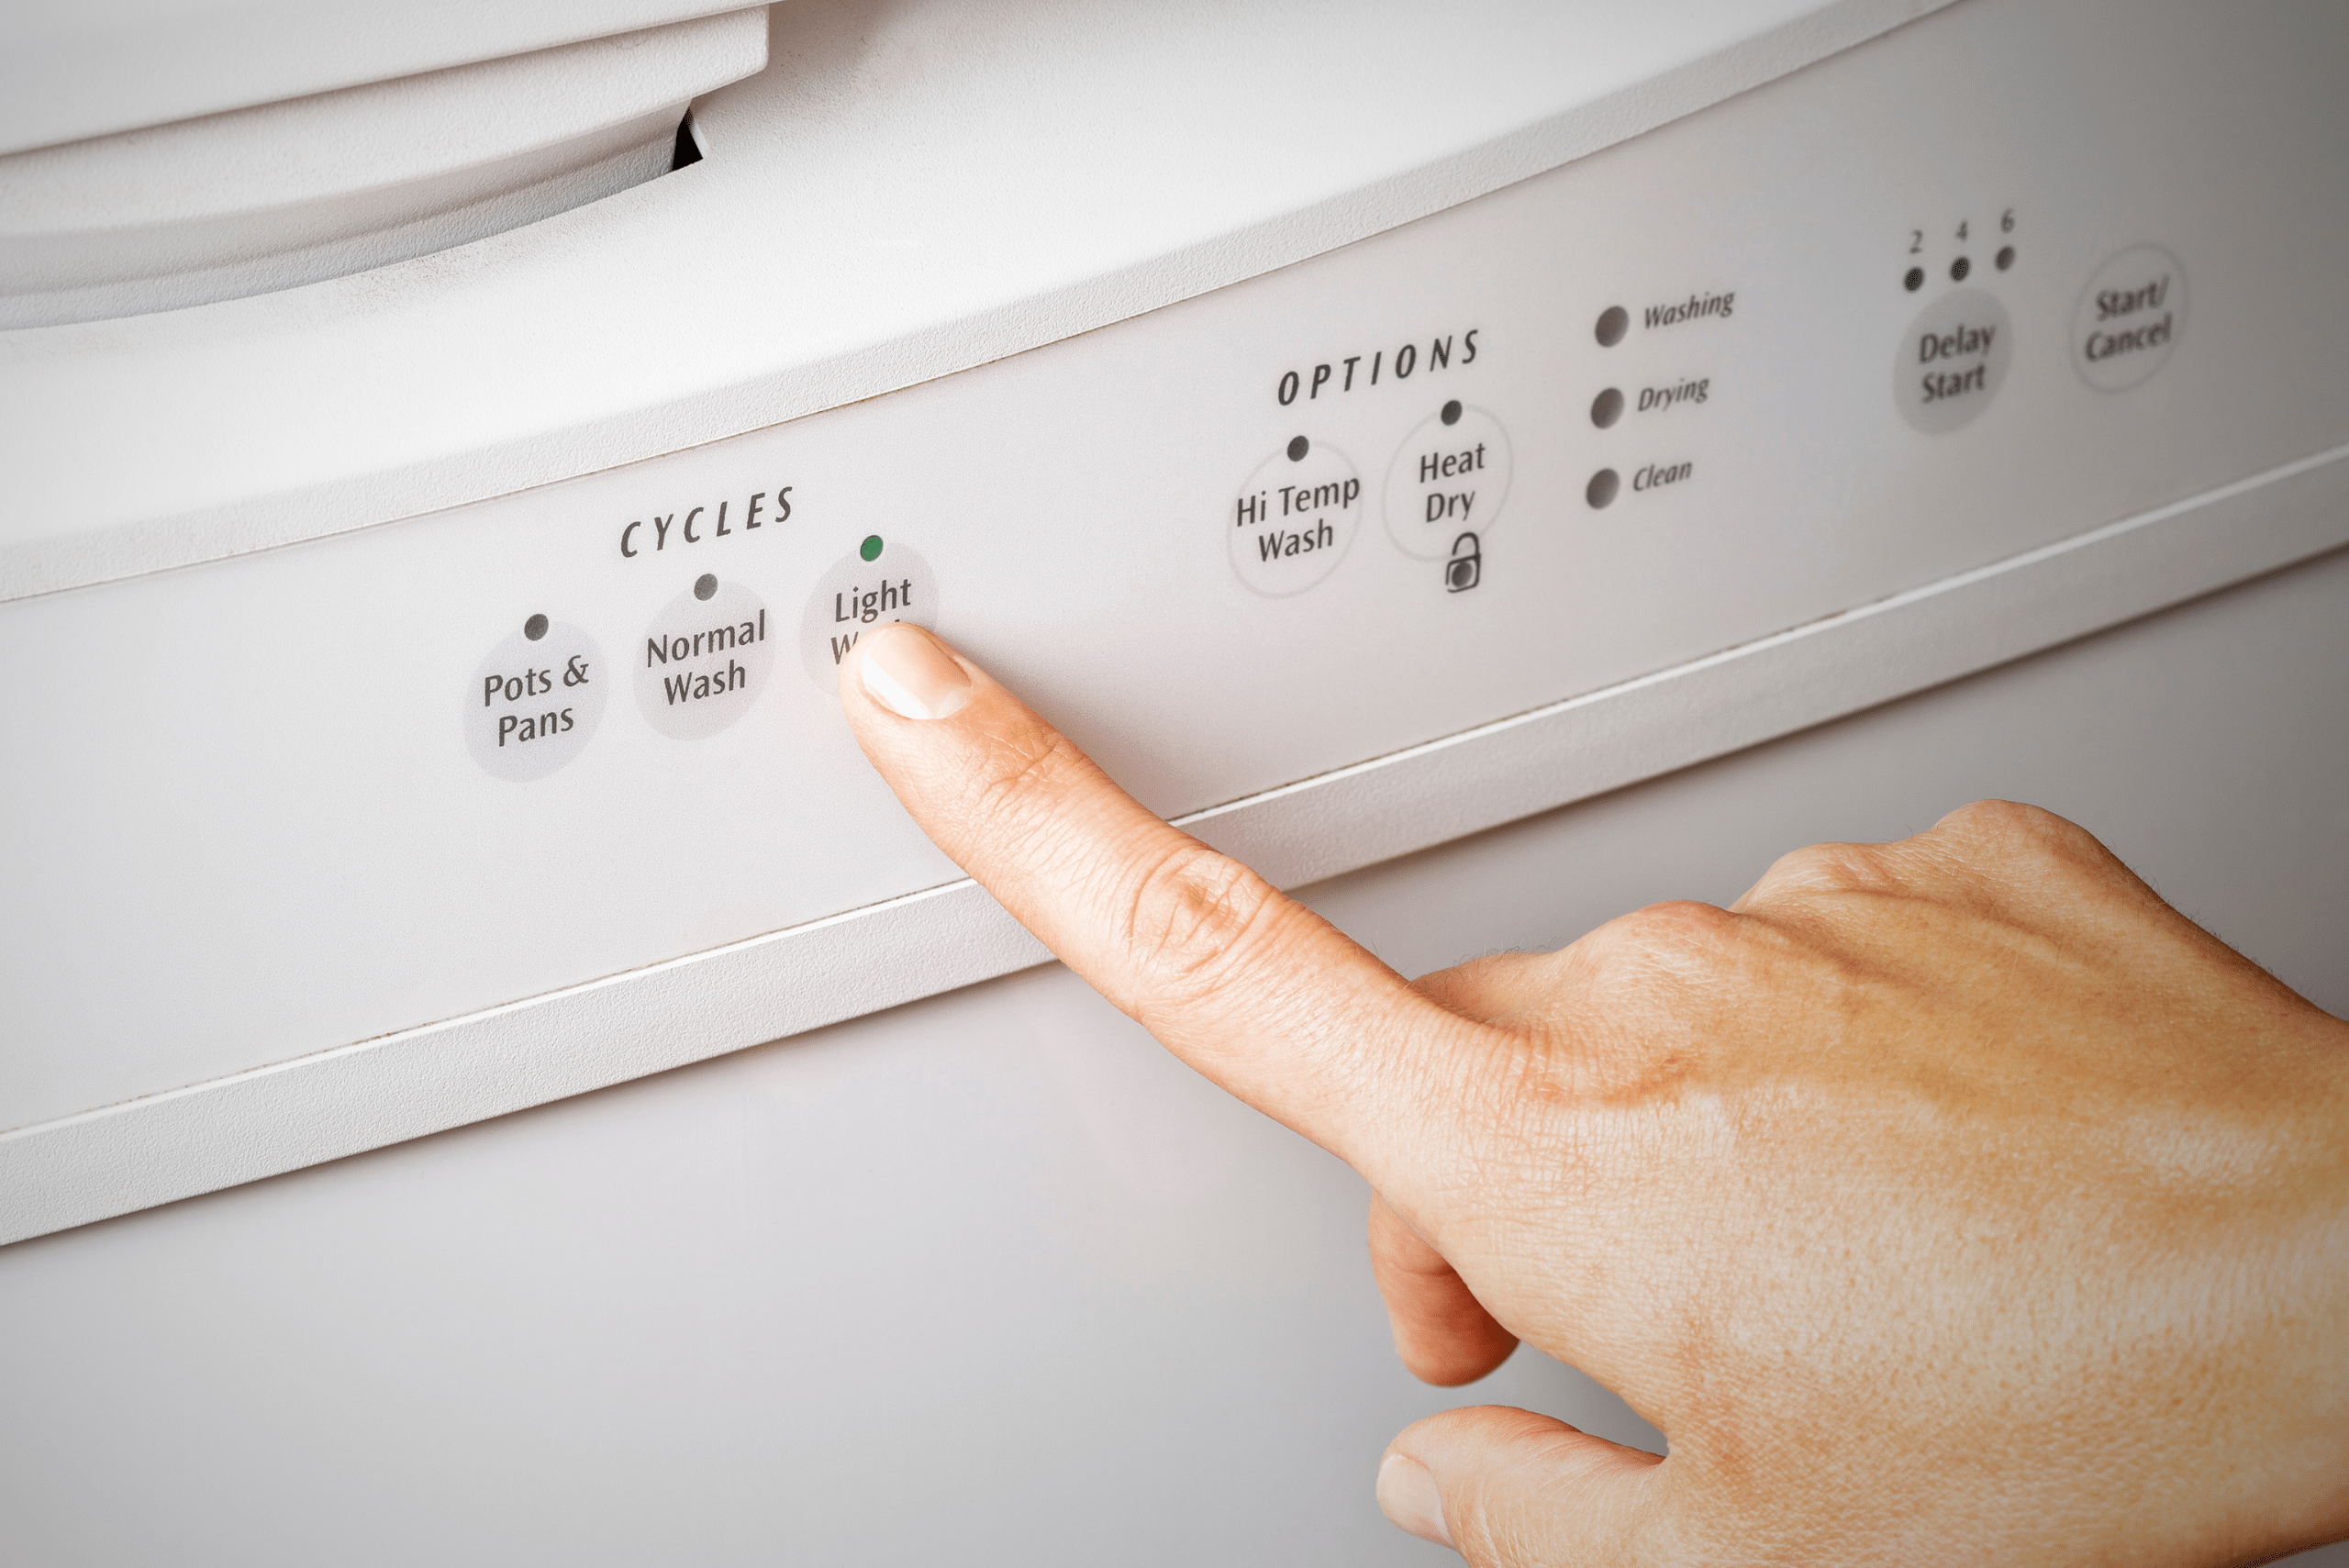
2127 318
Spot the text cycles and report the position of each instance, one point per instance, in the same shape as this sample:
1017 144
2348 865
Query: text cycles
1294 519
707 659
1334 377
882 580
1952 360
655 532
1449 474
535 700
2129 318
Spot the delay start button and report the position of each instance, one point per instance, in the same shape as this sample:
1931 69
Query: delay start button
1294 519
1952 360
1450 478
879 581
705 660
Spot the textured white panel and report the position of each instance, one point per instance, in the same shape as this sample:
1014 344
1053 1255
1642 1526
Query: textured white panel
216 1134
285 194
907 191
95 67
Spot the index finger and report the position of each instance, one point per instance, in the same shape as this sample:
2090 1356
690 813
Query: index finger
1251 988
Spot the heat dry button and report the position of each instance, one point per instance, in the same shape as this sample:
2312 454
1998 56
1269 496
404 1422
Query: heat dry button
2127 318
1450 478
533 702
705 660
1292 522
879 581
1952 361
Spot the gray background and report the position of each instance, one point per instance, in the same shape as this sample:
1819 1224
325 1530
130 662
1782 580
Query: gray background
990 1279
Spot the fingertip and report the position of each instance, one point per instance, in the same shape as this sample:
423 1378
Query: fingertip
908 670
1492 1472
1408 1497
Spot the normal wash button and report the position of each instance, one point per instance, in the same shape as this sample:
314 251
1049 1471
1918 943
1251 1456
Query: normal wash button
704 660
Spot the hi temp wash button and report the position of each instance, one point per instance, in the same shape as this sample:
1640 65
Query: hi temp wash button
704 660
532 705
879 581
1449 477
1952 360
1293 521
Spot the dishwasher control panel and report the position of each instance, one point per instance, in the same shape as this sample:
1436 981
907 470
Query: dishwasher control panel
1801 353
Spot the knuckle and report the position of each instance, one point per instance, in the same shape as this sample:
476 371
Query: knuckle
1190 913
1678 940
1678 928
1023 770
1828 868
2008 838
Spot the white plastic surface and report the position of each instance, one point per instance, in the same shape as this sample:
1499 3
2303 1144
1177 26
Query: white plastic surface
283 194
262 1123
329 864
907 191
95 67
843 1301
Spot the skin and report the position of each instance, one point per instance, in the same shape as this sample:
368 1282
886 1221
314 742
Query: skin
1951 1200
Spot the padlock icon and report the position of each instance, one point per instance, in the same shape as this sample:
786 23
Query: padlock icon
1465 568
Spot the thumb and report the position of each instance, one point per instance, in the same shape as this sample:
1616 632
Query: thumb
1508 1488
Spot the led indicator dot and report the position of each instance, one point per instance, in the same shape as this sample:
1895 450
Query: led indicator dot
870 549
1298 447
705 585
1451 412
1606 408
1602 487
2006 257
1915 280
1613 322
535 627
1958 268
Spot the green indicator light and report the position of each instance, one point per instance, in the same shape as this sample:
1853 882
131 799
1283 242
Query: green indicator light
871 547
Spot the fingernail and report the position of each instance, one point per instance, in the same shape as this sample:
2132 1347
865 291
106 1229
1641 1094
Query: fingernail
1408 1495
907 672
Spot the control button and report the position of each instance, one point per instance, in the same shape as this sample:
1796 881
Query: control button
1292 522
880 581
1451 474
705 660
2129 318
1952 360
533 702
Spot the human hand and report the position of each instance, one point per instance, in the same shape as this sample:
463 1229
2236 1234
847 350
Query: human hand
1947 1200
